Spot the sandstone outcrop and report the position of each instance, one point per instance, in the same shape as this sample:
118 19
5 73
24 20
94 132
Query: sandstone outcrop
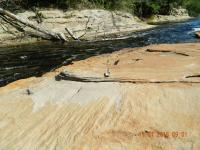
151 103
93 24
176 15
197 34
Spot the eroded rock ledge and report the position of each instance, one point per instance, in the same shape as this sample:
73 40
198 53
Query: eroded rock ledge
42 113
197 34
93 24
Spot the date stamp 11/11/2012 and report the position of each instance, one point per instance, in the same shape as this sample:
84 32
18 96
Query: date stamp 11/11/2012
163 134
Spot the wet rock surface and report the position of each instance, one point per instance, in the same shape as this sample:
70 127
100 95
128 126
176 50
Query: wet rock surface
161 112
197 34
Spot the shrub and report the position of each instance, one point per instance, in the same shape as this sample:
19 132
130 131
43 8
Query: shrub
141 8
193 7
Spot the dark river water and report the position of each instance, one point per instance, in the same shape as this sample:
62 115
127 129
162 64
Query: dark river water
36 59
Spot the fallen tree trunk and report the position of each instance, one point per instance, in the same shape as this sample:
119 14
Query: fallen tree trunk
77 78
71 34
166 51
48 34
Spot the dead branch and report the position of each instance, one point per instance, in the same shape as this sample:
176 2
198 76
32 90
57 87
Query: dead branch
167 51
114 22
78 38
7 30
78 78
14 24
71 34
86 27
48 34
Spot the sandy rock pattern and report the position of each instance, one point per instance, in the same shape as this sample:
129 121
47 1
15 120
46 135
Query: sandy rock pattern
161 112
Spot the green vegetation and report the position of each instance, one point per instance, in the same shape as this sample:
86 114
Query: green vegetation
193 7
141 8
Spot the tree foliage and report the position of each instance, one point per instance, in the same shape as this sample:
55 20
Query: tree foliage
193 7
141 8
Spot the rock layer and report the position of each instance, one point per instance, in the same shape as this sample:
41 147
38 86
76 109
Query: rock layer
155 114
197 34
176 15
93 24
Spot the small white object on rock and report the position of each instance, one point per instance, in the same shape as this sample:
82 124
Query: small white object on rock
107 73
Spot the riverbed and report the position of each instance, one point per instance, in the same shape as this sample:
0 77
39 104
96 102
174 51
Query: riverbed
36 59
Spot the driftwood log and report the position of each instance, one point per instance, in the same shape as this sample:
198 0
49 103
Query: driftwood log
47 34
167 51
77 78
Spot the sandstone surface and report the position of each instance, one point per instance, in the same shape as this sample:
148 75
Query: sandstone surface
94 24
151 103
197 34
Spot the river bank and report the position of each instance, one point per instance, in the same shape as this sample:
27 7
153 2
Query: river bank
176 15
149 101
86 24
22 61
